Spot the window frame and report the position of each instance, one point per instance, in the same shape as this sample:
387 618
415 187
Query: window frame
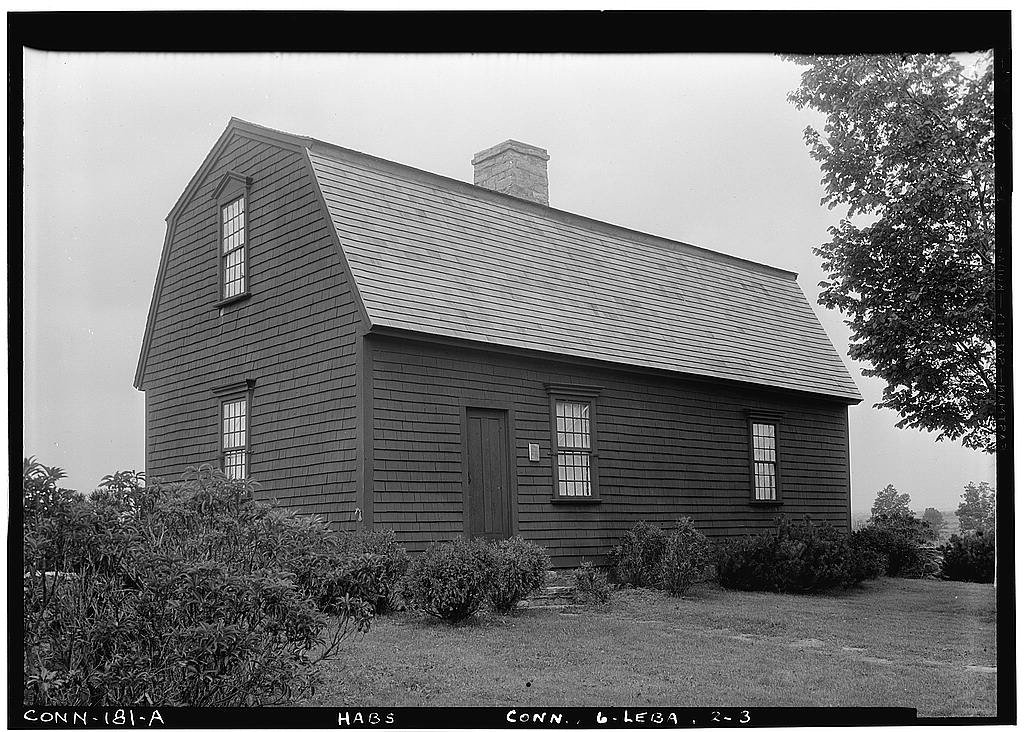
233 186
226 394
580 394
774 420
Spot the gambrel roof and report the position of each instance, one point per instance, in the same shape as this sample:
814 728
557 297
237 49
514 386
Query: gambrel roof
432 255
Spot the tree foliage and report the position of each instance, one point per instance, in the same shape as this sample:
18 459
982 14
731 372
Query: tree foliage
40 492
908 144
889 502
977 510
934 518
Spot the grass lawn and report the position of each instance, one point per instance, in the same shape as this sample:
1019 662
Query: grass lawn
892 642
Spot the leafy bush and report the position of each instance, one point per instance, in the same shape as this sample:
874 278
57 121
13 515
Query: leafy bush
518 569
865 561
749 563
450 580
897 555
637 560
40 493
687 557
798 556
590 585
189 593
970 557
329 567
901 542
390 566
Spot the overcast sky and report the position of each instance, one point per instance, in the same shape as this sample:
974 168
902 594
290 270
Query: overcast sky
699 148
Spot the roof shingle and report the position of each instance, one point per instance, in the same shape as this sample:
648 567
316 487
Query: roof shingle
437 256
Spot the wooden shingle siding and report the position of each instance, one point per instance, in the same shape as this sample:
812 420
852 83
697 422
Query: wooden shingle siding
379 363
667 447
295 336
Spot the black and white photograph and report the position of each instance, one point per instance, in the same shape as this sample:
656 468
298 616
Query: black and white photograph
627 388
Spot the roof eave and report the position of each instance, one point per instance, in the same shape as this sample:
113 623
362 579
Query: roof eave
403 333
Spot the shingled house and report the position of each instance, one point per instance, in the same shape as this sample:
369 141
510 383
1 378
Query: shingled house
393 348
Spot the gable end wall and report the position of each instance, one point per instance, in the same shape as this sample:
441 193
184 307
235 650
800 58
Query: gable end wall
295 336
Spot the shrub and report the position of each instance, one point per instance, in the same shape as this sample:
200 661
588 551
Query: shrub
900 540
637 560
686 558
329 567
798 556
865 562
187 593
590 585
746 563
40 493
970 557
897 555
518 569
391 565
450 580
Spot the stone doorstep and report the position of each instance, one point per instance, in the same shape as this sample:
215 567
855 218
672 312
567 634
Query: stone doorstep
557 594
562 598
557 603
549 597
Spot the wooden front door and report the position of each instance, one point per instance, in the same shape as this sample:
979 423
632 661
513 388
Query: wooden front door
487 497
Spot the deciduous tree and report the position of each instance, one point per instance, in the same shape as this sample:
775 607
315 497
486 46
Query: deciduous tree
890 503
977 510
908 147
934 518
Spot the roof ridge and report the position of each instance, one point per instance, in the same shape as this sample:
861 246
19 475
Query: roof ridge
645 237
430 258
636 235
239 122
708 328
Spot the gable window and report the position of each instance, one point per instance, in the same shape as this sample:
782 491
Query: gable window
235 404
233 236
764 457
235 437
233 248
574 454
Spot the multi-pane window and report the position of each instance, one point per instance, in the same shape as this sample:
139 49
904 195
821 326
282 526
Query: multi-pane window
572 429
234 437
765 461
232 216
574 438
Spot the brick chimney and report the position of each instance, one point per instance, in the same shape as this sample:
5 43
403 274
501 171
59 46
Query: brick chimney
514 168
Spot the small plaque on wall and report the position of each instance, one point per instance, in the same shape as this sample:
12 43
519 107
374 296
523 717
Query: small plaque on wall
534 452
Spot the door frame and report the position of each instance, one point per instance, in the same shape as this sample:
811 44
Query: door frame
503 405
